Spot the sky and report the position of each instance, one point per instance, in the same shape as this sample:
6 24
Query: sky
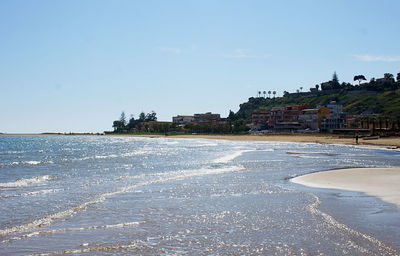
74 66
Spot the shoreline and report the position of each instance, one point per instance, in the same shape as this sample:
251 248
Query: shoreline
382 183
392 143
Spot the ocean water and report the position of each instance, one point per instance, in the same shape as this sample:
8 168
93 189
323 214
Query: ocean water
62 195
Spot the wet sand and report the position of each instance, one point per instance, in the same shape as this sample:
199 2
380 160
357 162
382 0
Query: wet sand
378 182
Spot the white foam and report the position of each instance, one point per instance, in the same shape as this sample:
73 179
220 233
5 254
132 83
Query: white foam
227 158
106 156
33 193
163 177
46 232
313 208
25 182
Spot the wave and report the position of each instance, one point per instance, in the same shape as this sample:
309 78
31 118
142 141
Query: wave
313 208
134 153
163 177
230 157
33 193
132 245
54 231
12 152
25 182
31 162
312 153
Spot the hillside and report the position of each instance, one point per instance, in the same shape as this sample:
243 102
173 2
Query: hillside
383 103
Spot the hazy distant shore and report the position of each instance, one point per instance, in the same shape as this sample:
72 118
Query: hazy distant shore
379 182
386 142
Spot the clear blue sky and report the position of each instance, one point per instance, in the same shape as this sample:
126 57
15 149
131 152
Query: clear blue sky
75 65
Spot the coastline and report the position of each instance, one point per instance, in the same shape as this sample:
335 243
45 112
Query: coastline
377 182
385 142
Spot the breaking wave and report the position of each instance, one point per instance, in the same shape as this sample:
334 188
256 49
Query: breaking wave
313 208
230 157
25 182
33 193
162 177
54 231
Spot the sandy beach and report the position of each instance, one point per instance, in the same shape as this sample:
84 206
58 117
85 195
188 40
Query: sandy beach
378 182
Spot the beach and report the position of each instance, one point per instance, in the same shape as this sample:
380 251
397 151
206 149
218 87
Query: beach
385 142
159 196
378 182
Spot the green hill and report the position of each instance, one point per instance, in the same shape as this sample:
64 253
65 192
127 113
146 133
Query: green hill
384 103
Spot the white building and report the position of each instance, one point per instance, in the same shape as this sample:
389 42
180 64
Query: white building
180 119
334 109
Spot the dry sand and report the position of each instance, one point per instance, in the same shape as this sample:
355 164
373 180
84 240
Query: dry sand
379 182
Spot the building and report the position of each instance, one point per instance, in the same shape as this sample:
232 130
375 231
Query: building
286 118
311 118
334 109
181 119
337 119
260 120
333 123
208 118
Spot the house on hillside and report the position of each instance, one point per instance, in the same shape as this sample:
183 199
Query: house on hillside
311 118
286 118
260 120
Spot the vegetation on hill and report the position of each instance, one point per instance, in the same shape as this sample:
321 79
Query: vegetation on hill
377 97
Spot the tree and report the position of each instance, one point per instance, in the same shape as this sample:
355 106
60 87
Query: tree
264 92
231 115
335 81
269 93
274 93
398 77
259 93
142 117
118 126
132 123
301 89
335 78
317 86
388 77
359 78
150 117
122 118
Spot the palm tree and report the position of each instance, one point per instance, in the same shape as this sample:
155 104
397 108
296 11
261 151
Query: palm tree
264 92
301 89
269 93
259 93
274 93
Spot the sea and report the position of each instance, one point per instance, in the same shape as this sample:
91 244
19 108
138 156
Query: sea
110 195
